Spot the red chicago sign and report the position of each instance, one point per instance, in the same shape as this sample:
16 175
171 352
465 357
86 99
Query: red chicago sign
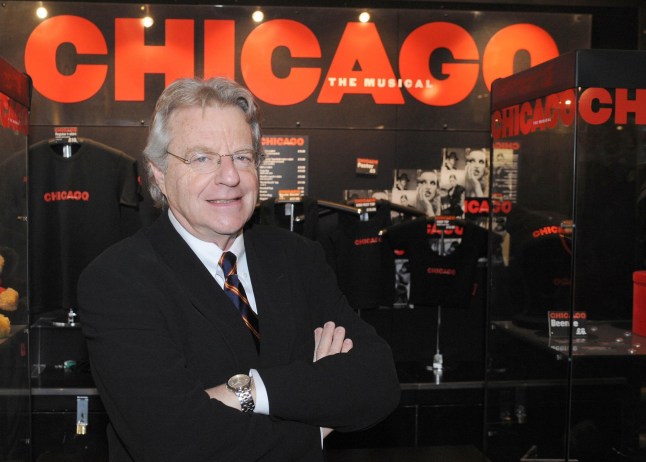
595 106
361 44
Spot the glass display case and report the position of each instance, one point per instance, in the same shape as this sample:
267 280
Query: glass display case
15 90
564 369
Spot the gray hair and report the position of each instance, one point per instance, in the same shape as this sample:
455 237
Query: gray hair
218 91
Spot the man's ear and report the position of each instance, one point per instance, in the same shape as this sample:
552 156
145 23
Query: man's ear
160 177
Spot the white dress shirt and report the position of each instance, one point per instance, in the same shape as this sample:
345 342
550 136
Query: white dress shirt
209 254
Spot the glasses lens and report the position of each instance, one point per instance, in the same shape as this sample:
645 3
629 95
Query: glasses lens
244 160
204 163
209 162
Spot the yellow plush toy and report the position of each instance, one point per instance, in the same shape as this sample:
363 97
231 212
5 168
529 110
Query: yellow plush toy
5 326
8 296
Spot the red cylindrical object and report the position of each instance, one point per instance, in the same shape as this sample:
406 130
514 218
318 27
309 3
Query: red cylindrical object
639 303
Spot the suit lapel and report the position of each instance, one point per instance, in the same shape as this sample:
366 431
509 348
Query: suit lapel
203 291
270 278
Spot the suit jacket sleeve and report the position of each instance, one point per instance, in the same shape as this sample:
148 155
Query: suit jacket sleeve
348 391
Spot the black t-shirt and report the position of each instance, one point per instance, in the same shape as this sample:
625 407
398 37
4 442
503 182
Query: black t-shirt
74 214
440 278
540 266
363 262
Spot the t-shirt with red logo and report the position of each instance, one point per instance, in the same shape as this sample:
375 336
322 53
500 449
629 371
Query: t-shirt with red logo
540 267
75 212
443 267
363 262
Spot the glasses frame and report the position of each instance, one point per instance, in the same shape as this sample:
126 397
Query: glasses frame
257 158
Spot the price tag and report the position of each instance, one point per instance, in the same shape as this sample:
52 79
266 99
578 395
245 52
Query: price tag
290 194
366 205
367 166
66 134
559 324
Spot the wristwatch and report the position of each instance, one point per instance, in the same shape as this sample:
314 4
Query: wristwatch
240 384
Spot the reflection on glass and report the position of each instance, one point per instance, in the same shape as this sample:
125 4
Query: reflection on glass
14 313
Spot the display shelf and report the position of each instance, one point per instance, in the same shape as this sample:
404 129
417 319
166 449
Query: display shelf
605 338
15 329
459 375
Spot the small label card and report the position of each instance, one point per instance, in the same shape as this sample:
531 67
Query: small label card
559 323
367 166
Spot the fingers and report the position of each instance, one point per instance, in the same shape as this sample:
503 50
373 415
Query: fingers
325 341
338 336
330 340
318 332
347 345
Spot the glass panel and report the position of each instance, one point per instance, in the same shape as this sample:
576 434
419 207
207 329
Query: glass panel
607 371
572 132
530 274
14 313
528 371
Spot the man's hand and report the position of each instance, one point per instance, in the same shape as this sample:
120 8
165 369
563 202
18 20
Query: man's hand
330 340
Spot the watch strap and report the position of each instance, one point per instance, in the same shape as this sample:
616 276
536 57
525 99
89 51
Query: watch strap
242 392
246 399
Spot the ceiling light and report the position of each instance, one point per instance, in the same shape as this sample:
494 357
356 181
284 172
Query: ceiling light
147 20
258 16
41 12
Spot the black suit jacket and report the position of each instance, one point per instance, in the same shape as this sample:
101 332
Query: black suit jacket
160 331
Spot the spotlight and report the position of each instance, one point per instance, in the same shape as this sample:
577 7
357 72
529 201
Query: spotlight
41 12
147 20
258 16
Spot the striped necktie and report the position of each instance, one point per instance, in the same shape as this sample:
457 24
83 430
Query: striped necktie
234 290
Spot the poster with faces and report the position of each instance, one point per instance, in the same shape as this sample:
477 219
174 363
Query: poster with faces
441 188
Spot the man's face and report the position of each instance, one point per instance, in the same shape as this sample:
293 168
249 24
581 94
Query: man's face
212 206
427 183
477 162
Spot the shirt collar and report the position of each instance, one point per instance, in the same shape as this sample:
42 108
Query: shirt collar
208 252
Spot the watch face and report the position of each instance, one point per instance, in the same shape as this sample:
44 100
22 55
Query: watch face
239 381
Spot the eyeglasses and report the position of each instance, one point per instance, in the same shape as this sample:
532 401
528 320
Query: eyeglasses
207 162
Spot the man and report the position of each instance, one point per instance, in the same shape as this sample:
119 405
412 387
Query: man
185 375
401 184
450 161
502 180
454 198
